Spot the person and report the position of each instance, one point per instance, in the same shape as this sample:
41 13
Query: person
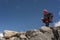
48 17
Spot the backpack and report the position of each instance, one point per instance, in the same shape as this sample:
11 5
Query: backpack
48 17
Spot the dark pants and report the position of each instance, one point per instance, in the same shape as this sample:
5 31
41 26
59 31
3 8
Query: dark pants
47 24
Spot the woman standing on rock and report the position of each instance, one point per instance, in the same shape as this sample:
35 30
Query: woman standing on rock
48 17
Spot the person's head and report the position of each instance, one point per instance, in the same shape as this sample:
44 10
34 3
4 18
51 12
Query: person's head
45 11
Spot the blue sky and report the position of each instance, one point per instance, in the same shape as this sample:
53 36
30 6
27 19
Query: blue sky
22 15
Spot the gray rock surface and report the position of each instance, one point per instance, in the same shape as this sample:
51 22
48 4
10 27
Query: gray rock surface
44 33
8 33
14 38
59 34
48 32
1 38
38 36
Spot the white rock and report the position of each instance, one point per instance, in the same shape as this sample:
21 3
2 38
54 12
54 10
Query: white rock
45 28
48 32
22 36
14 38
8 33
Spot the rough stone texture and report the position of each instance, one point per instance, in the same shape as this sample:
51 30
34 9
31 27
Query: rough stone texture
44 33
59 34
38 36
1 38
48 32
8 33
14 38
44 28
23 36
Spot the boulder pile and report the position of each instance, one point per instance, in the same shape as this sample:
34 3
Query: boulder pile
44 33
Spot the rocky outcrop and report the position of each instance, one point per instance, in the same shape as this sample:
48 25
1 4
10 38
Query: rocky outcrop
44 33
1 38
36 35
48 32
8 34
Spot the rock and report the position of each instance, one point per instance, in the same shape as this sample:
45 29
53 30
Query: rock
38 36
30 33
8 33
59 34
23 36
44 28
35 35
58 28
14 38
48 32
44 33
1 38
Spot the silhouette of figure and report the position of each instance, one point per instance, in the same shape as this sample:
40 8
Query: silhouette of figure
48 17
